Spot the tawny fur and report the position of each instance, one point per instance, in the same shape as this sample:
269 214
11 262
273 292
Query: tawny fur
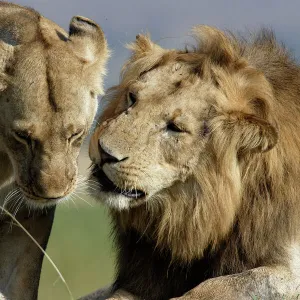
49 81
233 202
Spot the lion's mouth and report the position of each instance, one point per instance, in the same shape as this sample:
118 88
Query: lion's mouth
108 186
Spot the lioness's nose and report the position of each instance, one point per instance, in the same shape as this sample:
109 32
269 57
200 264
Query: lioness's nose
51 185
108 157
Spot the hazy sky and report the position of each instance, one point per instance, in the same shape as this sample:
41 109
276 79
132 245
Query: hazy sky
169 21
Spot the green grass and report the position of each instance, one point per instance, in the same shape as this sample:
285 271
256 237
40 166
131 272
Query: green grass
81 247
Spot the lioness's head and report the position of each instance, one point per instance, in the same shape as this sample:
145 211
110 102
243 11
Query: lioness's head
177 119
49 83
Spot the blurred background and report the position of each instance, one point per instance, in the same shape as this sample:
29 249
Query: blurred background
80 244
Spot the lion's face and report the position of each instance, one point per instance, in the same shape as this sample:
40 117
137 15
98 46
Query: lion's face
155 136
176 118
48 106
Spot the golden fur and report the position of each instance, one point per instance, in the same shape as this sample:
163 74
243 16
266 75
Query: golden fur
229 181
49 82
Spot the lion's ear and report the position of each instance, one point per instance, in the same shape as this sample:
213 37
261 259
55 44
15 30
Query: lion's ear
244 132
216 45
142 46
255 134
87 39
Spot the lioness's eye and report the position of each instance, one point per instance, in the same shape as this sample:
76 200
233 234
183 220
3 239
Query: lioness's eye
78 134
22 136
174 128
131 99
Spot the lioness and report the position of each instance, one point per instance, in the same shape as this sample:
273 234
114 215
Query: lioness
198 157
49 82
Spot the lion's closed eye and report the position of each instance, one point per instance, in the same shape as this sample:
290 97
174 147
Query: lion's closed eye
175 128
131 99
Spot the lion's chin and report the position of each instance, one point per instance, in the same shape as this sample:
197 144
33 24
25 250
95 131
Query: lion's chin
112 195
112 200
117 201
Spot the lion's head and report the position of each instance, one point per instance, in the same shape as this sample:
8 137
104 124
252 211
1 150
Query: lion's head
49 83
175 136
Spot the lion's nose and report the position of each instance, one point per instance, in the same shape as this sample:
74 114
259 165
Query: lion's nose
107 157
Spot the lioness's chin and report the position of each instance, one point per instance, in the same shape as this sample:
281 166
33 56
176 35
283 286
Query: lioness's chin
37 202
41 203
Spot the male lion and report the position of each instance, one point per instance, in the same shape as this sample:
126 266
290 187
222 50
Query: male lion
198 158
49 81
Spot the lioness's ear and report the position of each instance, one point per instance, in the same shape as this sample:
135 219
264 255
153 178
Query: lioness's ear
87 39
215 44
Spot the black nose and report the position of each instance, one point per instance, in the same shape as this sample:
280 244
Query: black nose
108 158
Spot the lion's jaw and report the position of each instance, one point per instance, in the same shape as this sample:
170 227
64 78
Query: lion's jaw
154 143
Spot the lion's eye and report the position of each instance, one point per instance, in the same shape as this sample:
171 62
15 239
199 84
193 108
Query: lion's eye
131 99
171 126
93 94
22 136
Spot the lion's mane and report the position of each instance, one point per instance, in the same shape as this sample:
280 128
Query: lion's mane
240 209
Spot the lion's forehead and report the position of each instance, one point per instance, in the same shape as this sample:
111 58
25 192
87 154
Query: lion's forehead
167 75
170 88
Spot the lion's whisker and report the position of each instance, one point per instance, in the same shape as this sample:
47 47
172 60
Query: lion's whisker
76 195
71 199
